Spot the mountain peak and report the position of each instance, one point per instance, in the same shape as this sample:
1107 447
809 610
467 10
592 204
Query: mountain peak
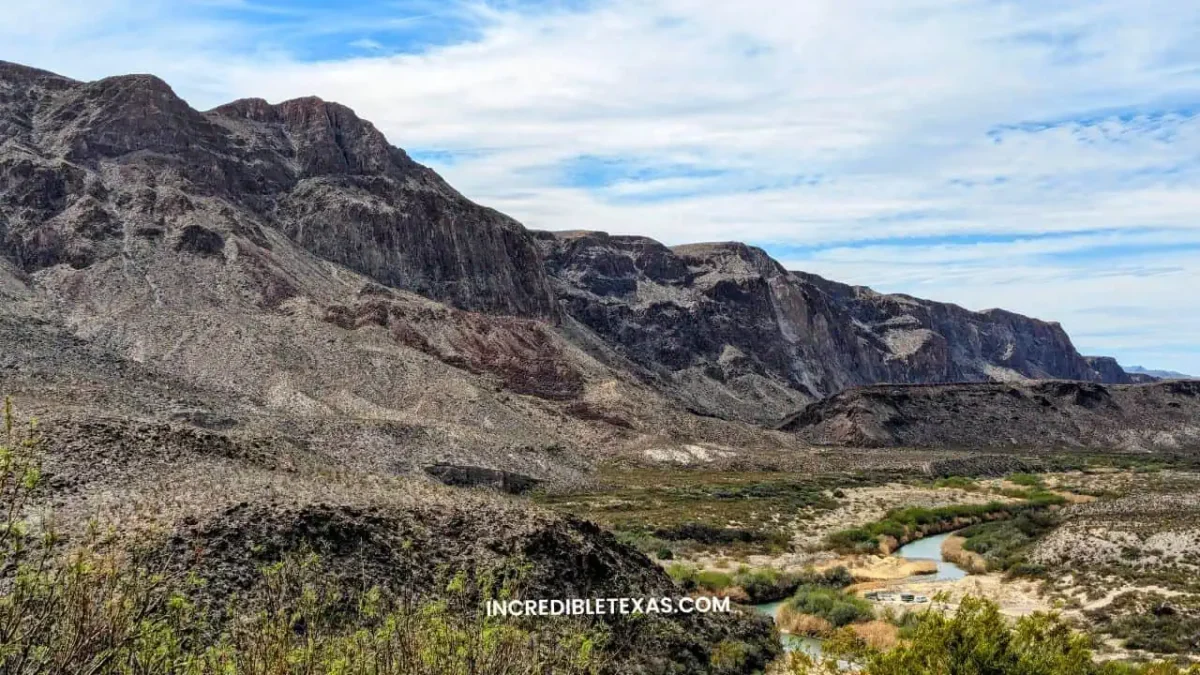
126 154
16 72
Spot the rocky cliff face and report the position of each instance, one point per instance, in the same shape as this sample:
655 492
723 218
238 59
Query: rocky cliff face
286 262
735 334
280 272
1159 417
1108 370
91 169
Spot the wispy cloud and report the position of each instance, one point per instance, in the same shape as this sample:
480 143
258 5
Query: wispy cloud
1043 157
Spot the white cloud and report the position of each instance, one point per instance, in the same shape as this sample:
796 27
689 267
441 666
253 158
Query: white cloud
925 118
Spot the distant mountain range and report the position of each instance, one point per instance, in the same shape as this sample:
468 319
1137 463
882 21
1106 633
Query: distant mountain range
1161 374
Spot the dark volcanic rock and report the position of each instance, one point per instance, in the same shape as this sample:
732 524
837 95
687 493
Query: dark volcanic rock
84 163
992 466
1162 417
413 552
1108 370
735 334
477 476
200 240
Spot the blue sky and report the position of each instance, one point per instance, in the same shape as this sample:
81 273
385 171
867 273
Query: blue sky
1038 156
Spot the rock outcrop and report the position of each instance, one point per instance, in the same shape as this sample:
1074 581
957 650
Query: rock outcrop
89 167
1162 417
1108 370
732 333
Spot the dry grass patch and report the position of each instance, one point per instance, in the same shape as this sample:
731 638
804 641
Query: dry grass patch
798 623
953 550
877 634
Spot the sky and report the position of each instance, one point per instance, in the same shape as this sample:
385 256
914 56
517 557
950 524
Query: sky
1037 155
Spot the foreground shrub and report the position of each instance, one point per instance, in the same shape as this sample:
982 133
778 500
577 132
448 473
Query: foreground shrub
975 640
89 611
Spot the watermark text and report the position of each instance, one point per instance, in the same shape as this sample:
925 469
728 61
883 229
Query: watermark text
601 606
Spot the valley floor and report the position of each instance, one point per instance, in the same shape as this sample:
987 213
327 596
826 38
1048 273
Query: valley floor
1116 551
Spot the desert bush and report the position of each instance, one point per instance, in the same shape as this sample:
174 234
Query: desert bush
682 574
1150 622
712 580
1025 479
797 623
975 639
88 610
877 634
909 523
766 584
1004 544
834 606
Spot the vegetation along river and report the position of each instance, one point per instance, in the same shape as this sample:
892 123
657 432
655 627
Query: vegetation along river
929 548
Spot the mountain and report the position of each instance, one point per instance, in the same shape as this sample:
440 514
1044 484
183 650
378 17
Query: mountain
261 330
1161 374
730 332
279 274
1051 415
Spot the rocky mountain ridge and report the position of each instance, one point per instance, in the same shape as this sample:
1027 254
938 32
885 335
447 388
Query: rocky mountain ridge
1160 417
293 270
1159 373
734 334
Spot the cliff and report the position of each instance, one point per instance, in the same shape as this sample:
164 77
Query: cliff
287 268
88 168
733 333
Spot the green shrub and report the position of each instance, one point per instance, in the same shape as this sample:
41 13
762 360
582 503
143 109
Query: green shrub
1025 479
1004 544
836 607
975 639
907 523
713 581
766 584
682 574
83 612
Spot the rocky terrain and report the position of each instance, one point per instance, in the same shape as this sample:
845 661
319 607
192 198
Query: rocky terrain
1162 417
240 270
731 333
263 325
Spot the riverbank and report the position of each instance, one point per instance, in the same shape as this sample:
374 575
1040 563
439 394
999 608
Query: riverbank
953 549
802 627
901 526
953 582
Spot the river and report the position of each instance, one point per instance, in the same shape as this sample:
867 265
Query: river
929 548
791 643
